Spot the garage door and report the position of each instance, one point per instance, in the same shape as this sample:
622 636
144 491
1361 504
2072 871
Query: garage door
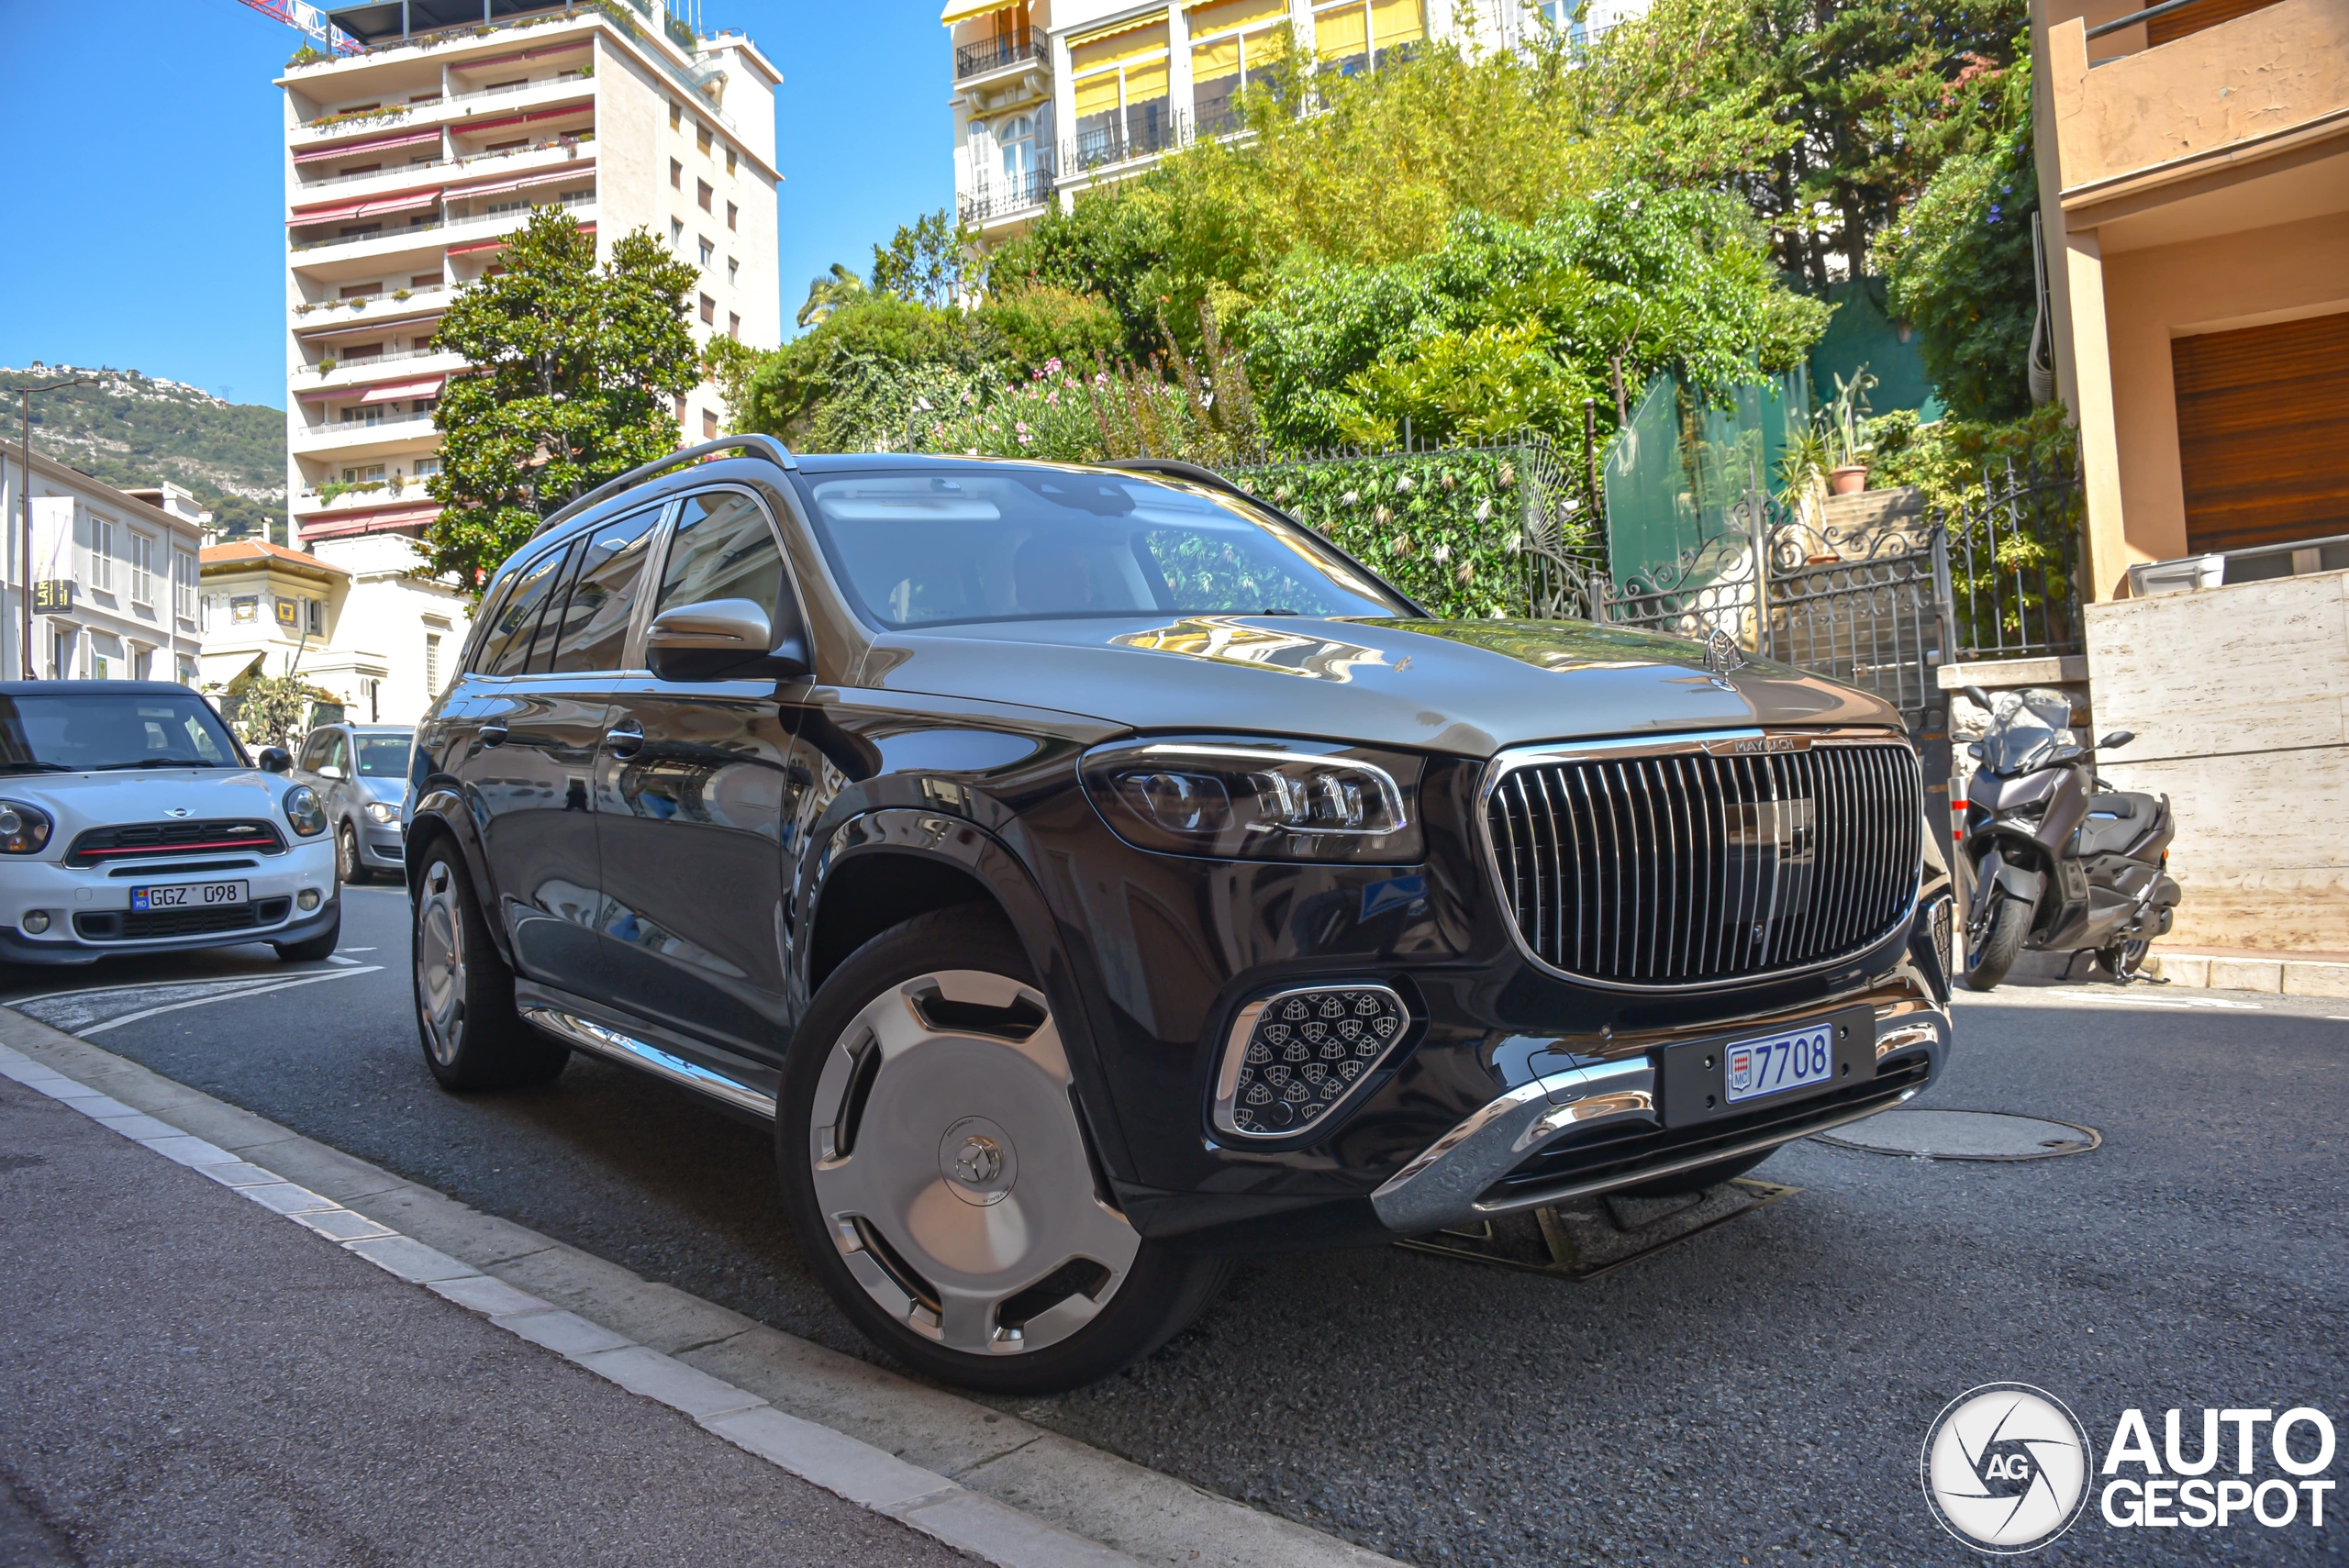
2262 433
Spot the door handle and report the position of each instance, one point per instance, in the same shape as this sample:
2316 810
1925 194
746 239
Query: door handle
624 739
493 733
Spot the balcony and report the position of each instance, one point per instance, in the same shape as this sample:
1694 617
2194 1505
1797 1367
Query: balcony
400 364
553 152
316 318
993 54
349 442
457 112
436 231
2221 104
1001 200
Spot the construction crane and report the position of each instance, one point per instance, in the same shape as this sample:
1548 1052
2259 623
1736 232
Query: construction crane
307 18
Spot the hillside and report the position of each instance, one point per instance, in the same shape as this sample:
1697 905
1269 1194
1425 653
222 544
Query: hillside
134 429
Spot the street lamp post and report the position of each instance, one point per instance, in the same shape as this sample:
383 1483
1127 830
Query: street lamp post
25 507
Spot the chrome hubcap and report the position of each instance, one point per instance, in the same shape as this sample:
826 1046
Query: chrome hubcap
441 963
952 1173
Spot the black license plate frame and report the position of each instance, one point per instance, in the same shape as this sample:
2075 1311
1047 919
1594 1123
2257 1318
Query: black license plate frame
1694 1074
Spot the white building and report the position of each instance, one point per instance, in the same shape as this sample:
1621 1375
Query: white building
1054 96
114 576
407 166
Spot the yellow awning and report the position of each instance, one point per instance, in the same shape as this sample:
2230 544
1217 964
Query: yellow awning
1396 22
1121 42
1338 32
1216 62
1222 15
963 10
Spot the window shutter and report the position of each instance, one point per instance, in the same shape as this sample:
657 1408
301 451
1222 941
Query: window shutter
2260 417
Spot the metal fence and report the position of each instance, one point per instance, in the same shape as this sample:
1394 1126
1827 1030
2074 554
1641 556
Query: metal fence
2014 564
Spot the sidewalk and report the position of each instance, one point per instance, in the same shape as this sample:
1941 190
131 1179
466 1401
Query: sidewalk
186 1377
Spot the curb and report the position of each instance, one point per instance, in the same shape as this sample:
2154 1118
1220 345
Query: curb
2236 972
988 1484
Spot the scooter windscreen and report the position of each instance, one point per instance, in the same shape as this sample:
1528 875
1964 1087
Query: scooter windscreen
2025 728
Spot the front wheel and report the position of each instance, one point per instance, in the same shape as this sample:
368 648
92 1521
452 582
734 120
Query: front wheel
2003 934
938 1175
347 868
473 1037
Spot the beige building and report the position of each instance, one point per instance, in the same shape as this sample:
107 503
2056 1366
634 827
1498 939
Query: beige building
114 573
409 163
1054 96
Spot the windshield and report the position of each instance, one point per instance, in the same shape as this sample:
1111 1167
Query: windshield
86 732
382 756
994 544
2026 727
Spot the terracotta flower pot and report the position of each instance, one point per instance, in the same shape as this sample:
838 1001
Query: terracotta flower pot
1847 481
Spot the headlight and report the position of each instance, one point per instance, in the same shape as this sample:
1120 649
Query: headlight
382 811
1296 801
24 830
308 818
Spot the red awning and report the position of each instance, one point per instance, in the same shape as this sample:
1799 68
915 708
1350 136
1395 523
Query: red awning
523 183
504 120
376 144
415 202
430 387
499 244
340 525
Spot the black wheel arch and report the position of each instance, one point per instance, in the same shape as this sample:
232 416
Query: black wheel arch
439 816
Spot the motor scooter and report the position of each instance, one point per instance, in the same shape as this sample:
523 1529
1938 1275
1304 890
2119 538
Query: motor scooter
2062 861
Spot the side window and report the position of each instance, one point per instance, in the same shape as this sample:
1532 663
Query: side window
314 751
593 631
722 549
506 650
340 757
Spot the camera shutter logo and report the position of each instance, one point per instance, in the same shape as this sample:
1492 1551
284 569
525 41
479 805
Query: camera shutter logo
2006 1467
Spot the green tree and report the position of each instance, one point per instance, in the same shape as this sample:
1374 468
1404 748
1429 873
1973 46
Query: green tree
570 371
828 293
930 262
851 381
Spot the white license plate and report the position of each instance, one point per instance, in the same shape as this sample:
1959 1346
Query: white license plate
1802 1060
188 896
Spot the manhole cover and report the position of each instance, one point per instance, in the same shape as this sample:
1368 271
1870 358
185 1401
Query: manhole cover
1965 1135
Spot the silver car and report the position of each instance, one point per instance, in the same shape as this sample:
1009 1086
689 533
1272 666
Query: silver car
359 771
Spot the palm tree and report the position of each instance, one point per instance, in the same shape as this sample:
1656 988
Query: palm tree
828 293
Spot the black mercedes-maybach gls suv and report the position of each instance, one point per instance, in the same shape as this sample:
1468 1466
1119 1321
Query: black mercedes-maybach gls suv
1093 874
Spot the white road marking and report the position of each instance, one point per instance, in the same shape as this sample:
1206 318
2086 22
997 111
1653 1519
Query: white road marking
337 958
227 995
354 950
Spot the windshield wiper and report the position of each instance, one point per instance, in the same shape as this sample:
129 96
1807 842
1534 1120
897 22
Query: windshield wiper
150 763
35 767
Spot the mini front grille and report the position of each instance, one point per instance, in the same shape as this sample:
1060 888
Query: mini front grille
1706 864
170 840
138 925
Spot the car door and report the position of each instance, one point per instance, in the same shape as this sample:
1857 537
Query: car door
693 790
527 775
341 791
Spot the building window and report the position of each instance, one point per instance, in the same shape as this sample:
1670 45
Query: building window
372 474
733 326
183 584
702 191
431 664
733 268
101 554
425 280
681 415
60 654
676 175
314 616
142 569
732 213
366 413
709 252
708 426
709 310
427 466
702 137
729 160
677 232
142 664
676 115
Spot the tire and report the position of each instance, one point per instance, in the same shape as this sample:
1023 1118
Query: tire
1697 1180
314 949
2009 923
473 1037
925 1086
2125 961
347 867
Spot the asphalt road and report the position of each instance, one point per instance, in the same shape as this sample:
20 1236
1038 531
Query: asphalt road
1756 1395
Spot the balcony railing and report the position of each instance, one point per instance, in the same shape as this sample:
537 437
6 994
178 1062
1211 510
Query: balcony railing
345 364
1000 195
1138 136
358 302
571 199
995 53
569 139
335 432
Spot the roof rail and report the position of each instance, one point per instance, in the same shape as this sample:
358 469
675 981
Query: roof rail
763 445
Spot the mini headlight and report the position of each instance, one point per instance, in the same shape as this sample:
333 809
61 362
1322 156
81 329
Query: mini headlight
1256 802
24 830
382 811
302 812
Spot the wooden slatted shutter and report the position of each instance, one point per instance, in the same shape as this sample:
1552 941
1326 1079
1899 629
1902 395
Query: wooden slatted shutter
2262 433
2193 18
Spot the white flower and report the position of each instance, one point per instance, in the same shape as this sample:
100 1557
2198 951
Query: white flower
1403 486
1485 511
1351 498
1441 552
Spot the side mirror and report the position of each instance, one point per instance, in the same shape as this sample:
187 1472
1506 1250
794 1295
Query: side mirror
1979 697
1974 750
720 638
329 771
2117 739
275 760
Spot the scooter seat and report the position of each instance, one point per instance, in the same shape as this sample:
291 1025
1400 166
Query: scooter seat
2116 820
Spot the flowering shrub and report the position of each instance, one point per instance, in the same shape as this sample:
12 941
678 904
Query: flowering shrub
1447 527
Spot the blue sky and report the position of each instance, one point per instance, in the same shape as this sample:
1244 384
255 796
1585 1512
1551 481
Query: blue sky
143 204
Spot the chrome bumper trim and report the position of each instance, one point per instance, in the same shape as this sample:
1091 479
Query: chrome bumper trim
572 1030
1444 1186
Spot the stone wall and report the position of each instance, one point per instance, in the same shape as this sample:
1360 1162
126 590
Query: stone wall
2239 699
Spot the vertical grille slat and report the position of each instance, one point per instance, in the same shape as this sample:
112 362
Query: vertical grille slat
1686 867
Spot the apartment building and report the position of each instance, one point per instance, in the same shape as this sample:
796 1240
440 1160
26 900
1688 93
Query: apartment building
409 163
114 578
1054 96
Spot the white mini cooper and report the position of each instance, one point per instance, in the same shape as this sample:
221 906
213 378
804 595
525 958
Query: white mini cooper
132 821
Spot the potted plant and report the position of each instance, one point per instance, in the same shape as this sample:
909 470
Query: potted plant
1846 419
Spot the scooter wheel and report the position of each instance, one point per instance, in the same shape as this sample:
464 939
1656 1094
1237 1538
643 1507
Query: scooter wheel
2010 922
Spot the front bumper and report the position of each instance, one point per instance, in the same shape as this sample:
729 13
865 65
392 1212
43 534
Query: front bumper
380 849
86 905
1589 1129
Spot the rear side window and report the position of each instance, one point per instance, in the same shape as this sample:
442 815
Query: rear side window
591 632
315 751
722 549
506 650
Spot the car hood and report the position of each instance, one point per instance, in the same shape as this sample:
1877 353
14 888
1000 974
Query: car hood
77 801
1469 688
394 789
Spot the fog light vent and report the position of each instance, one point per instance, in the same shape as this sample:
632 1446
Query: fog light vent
1293 1059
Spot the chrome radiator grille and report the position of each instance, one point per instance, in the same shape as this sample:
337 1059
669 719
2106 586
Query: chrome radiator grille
1708 862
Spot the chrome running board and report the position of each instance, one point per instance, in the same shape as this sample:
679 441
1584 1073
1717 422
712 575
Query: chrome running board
575 1030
